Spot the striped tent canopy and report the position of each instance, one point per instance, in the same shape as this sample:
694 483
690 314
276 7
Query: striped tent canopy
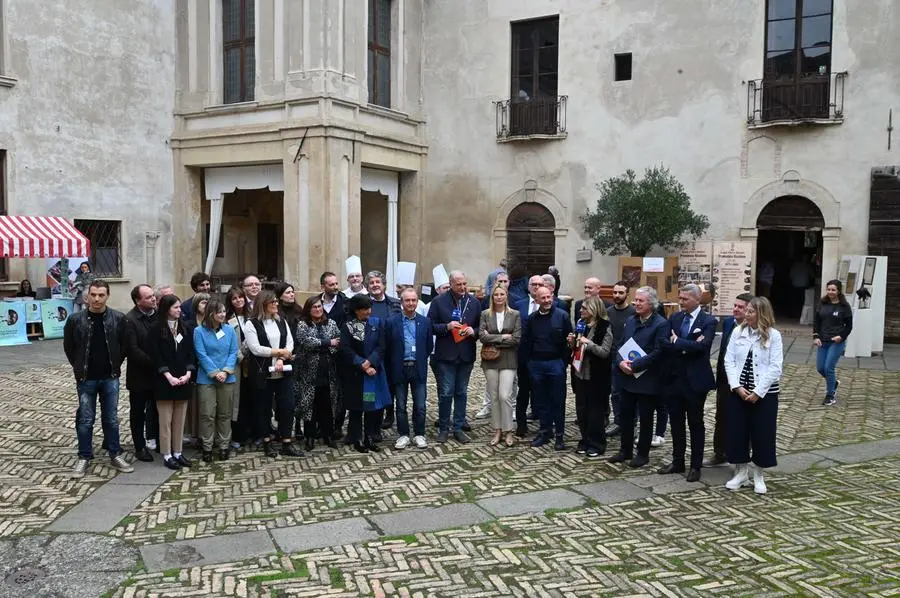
41 236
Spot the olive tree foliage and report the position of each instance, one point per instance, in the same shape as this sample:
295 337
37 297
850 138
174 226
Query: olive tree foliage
634 215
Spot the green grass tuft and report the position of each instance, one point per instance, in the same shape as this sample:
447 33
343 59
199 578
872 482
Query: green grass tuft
337 577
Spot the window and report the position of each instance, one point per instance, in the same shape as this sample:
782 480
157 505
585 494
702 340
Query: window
239 49
623 67
4 272
379 74
106 242
535 58
797 71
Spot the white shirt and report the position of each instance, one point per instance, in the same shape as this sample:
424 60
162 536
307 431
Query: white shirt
532 306
274 336
500 315
327 305
767 361
693 316
348 292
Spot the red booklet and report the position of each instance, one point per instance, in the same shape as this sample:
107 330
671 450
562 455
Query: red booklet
457 337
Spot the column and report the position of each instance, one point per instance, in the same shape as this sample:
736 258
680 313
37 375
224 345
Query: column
391 265
831 254
151 238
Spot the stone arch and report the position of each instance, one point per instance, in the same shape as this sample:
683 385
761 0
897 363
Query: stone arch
531 192
791 212
792 185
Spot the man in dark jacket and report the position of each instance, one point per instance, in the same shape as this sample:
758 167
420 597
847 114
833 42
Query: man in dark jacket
618 314
200 283
333 300
544 349
92 343
141 374
642 375
384 308
690 378
455 316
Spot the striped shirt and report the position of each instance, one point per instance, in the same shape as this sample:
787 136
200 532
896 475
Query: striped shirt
746 378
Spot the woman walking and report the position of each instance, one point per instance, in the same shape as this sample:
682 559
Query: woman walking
172 350
591 375
500 331
238 312
272 347
832 324
318 338
217 353
753 364
361 369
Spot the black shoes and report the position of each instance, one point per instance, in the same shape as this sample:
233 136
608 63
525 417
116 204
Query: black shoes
269 450
207 456
466 427
540 440
560 444
224 454
183 461
522 431
144 455
171 463
331 443
638 461
310 442
360 447
693 475
619 458
715 461
372 446
462 437
443 436
671 468
289 449
388 422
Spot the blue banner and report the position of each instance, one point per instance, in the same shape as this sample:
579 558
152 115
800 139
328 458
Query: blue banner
12 323
32 311
54 313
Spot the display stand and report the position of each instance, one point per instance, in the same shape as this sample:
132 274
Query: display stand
867 272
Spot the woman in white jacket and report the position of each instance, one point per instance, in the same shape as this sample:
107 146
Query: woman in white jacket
753 365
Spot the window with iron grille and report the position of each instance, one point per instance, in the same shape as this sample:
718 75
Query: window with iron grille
106 246
379 74
239 50
4 270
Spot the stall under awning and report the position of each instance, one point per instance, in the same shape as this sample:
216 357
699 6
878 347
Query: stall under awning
41 236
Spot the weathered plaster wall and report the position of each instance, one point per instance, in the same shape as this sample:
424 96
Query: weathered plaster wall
88 121
685 107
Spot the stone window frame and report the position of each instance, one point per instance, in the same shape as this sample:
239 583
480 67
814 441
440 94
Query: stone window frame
6 79
244 44
373 47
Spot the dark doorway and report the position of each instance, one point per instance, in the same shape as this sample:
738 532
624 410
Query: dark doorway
789 253
268 255
884 238
374 234
530 238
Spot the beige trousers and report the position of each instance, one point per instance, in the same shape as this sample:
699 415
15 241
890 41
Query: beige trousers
215 408
171 425
499 386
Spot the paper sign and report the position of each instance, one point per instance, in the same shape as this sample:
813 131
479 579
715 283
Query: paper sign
12 323
220 334
654 264
426 289
629 351
32 311
406 273
284 368
54 313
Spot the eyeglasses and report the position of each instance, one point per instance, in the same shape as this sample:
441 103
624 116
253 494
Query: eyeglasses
253 284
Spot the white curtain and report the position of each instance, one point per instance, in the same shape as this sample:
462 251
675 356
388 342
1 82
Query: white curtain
216 207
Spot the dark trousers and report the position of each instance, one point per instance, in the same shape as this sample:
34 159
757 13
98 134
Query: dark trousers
752 425
643 406
548 387
592 411
280 393
143 417
687 405
363 425
523 397
322 423
722 394
241 430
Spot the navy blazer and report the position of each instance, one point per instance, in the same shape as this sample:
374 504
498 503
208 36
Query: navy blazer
689 357
424 345
728 325
373 346
522 308
650 336
439 311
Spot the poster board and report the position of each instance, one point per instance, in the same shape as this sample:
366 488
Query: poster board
54 313
732 274
13 328
32 311
631 270
695 264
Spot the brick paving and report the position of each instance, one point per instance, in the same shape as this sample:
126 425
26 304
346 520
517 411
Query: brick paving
702 542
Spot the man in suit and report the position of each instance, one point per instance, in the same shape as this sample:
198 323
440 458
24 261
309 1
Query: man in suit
690 378
722 388
545 350
525 307
455 316
410 342
142 371
650 331
333 300
384 307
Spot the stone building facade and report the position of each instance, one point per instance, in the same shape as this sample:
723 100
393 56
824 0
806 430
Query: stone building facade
86 100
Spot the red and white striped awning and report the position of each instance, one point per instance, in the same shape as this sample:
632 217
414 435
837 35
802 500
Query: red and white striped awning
41 236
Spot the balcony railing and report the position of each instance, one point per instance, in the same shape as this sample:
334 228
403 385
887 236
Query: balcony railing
811 98
537 118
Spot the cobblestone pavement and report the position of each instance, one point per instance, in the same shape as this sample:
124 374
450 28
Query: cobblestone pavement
827 532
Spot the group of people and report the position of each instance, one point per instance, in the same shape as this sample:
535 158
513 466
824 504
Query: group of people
222 368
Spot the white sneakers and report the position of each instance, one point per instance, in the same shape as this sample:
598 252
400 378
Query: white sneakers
403 442
151 444
657 441
483 413
742 474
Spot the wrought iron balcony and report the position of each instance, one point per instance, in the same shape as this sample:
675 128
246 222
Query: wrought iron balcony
813 98
536 118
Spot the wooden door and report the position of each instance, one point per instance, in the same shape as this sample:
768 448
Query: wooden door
530 238
884 239
268 248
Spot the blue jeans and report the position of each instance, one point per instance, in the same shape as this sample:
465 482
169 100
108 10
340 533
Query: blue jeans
548 392
453 389
88 391
401 391
827 358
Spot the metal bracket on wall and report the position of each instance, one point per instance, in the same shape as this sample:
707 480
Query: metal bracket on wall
300 147
890 128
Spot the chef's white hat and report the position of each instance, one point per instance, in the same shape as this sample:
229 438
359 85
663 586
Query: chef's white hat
440 275
352 265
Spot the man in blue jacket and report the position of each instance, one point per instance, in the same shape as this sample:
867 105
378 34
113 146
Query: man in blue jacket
690 378
455 316
525 307
545 349
722 388
642 375
410 342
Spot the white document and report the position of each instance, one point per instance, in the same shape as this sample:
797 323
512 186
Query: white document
629 351
406 273
284 368
654 264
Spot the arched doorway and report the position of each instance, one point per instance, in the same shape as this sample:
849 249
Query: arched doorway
789 253
531 238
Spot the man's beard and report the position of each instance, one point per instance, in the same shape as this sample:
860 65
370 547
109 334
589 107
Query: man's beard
619 302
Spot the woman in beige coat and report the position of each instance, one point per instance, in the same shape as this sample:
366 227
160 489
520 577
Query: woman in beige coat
501 327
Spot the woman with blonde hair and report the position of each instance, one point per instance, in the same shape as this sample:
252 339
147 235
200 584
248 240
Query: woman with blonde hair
753 364
591 345
500 331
